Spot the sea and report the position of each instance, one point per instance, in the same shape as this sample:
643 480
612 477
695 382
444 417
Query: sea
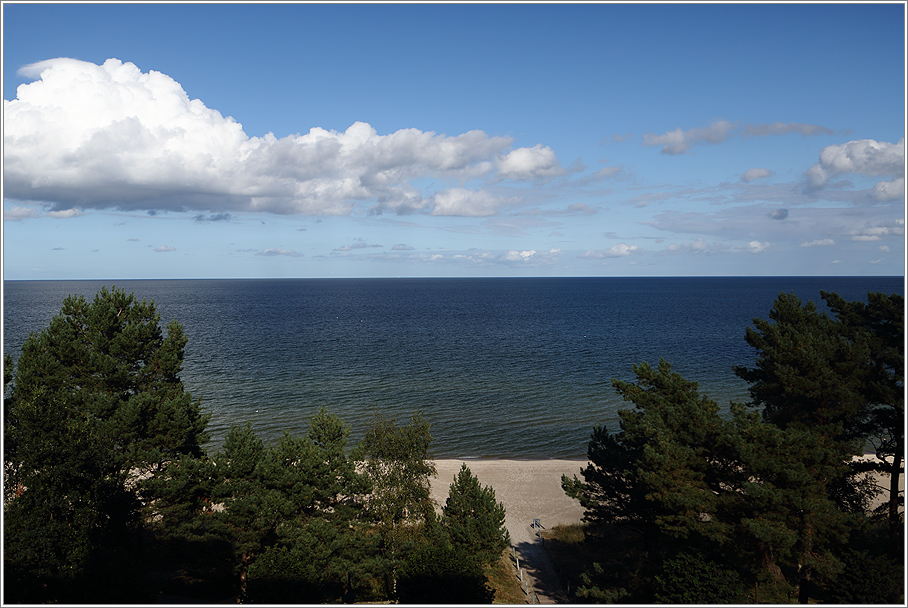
516 368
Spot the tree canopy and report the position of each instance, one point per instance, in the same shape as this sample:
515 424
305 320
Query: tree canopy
95 403
768 486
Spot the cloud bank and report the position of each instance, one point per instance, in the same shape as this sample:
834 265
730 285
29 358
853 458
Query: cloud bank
111 136
863 157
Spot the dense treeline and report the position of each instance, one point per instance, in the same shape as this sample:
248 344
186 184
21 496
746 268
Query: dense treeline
766 503
110 496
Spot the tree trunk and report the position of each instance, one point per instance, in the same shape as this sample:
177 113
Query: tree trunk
804 573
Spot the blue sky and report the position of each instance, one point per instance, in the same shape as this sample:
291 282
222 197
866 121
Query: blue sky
297 140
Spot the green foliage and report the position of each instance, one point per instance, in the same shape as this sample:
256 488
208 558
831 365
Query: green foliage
113 363
300 497
398 467
95 401
661 473
320 562
867 579
880 323
474 520
809 373
833 383
743 487
437 571
691 578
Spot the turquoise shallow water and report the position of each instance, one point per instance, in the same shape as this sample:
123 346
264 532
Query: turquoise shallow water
505 368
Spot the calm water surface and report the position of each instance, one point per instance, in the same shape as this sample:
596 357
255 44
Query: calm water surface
506 368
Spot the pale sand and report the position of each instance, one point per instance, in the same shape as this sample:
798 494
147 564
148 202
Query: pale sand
529 489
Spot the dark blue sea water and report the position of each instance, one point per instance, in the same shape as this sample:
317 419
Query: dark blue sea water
507 368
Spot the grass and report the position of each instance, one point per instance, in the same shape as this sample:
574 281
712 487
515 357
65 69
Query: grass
502 577
571 556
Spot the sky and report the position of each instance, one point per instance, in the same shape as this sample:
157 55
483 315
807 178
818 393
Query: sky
458 140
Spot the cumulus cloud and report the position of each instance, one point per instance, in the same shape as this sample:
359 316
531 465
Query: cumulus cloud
819 243
164 249
752 174
679 142
863 157
112 136
889 191
618 251
402 247
529 163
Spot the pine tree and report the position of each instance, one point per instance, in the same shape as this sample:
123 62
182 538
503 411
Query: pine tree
809 373
741 487
95 406
661 472
473 518
881 324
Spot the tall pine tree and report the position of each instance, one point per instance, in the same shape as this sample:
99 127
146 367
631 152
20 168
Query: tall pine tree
474 519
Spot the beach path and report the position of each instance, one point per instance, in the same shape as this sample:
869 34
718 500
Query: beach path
529 490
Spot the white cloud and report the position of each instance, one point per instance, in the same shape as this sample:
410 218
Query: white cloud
752 174
474 257
755 247
819 243
876 233
469 203
864 157
19 213
163 248
618 251
679 142
530 163
699 246
112 136
64 214
890 191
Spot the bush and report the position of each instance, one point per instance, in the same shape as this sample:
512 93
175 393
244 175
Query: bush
867 579
691 578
